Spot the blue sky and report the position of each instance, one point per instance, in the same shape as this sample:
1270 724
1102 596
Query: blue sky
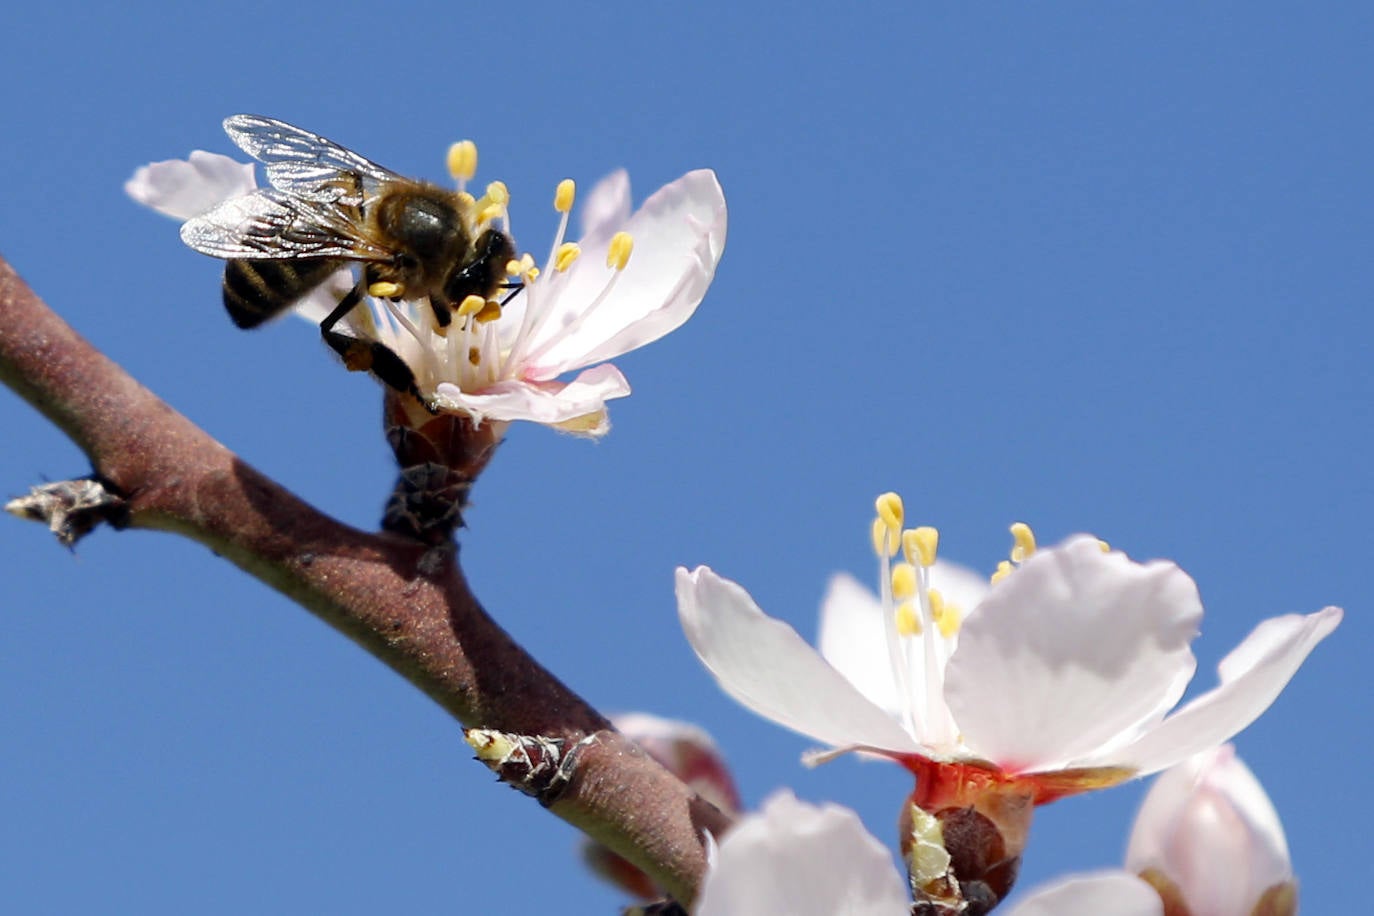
1094 268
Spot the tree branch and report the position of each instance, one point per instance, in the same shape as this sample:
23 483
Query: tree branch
420 619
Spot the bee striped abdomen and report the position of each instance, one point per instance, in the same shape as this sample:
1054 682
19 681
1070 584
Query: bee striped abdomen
255 291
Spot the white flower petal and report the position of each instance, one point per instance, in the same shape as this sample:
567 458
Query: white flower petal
1253 675
1205 817
1107 893
802 860
183 188
679 235
766 666
1070 652
852 640
605 209
549 402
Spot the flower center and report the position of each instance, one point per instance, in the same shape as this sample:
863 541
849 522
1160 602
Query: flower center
479 348
920 625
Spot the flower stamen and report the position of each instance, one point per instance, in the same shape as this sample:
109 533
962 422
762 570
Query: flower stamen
908 619
903 581
1025 542
886 534
565 255
492 205
889 508
920 544
462 162
618 255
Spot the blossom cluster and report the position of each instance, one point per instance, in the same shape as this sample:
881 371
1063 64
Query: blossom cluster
1061 673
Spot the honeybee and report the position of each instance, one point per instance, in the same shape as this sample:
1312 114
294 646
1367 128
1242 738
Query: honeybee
327 207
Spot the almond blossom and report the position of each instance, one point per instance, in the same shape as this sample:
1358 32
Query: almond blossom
631 278
1068 663
1206 842
1058 679
1209 840
804 860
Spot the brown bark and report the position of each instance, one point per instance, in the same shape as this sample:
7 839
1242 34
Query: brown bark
419 618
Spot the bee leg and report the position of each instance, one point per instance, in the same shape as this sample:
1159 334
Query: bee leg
369 356
443 314
514 286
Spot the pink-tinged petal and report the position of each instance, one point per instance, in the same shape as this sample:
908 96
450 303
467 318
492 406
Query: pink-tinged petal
605 209
1206 817
802 860
766 666
183 188
1070 652
550 402
679 235
1252 676
685 750
1108 893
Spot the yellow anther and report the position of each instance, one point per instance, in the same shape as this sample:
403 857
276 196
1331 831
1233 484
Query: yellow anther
466 200
908 619
1025 542
462 160
618 255
946 616
492 205
498 193
889 507
471 305
474 356
489 312
563 197
1004 569
1103 546
903 581
567 253
949 621
919 545
884 544
384 290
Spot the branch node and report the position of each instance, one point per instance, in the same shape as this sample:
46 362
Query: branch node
537 765
72 508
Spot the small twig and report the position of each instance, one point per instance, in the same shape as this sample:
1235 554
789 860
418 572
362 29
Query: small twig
392 595
71 508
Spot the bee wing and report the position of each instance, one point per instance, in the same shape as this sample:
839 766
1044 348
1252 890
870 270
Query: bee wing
305 164
271 223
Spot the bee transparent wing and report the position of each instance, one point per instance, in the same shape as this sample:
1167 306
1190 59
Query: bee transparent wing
270 223
306 164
